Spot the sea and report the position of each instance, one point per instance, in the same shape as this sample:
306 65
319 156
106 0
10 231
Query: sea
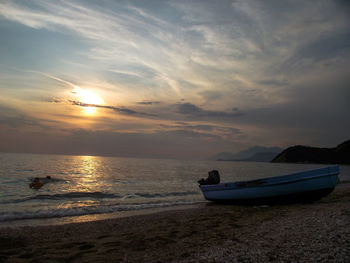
86 188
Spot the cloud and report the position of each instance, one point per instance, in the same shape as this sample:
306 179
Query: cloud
204 130
333 48
190 109
15 119
121 110
161 144
264 70
148 102
189 49
144 42
201 127
70 84
191 134
210 95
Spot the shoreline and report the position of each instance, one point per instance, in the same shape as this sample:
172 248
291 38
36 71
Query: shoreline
306 232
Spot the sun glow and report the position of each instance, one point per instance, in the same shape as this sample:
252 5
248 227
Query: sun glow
89 98
89 110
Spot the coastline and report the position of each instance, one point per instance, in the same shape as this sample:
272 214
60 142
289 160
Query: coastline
310 232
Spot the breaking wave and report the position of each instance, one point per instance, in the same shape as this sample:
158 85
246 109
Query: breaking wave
87 210
100 195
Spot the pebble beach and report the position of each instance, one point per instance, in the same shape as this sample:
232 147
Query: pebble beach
304 232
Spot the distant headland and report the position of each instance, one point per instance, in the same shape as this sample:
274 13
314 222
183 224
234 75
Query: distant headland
306 154
253 154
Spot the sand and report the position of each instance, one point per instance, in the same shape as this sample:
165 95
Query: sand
308 232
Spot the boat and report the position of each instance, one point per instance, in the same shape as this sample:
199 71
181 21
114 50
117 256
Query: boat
302 186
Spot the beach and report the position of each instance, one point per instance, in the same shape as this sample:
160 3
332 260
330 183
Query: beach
304 232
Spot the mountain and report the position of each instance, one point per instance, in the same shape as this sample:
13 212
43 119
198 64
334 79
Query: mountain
253 154
260 157
306 154
223 156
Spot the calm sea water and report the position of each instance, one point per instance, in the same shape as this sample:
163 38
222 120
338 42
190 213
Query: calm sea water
83 187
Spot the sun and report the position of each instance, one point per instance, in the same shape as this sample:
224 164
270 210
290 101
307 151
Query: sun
88 97
89 110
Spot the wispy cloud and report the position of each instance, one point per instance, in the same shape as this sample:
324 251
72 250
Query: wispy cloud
121 110
13 118
242 64
204 129
195 111
68 83
234 50
148 102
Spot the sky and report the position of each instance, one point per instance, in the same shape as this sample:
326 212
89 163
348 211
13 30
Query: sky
173 79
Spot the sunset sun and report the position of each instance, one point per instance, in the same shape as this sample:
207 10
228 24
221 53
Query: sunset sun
88 97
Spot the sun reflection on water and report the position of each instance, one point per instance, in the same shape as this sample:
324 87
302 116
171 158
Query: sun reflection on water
89 165
88 180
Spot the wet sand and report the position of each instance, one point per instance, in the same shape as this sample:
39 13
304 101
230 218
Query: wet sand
309 232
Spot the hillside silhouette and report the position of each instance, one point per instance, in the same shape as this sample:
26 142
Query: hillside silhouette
306 154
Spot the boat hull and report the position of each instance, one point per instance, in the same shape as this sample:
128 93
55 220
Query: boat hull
298 187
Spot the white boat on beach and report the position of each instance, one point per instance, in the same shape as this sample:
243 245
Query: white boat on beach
302 186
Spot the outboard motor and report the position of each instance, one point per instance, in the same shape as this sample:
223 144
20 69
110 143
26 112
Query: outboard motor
213 178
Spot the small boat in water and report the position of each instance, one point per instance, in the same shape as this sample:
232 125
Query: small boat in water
297 187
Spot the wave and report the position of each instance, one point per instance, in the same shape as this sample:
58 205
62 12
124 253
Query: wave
162 195
24 170
73 195
87 210
100 196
